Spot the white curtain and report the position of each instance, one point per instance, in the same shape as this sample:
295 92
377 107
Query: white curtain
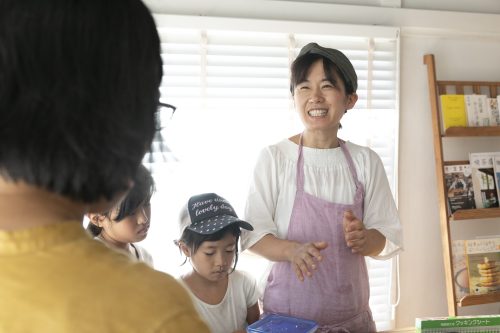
229 79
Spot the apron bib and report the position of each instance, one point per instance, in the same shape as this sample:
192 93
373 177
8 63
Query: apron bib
337 294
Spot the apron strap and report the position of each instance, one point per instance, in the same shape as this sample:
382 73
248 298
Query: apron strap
300 167
350 163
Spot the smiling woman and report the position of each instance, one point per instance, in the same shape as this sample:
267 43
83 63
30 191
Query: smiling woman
319 205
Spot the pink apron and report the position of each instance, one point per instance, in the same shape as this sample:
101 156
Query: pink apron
337 294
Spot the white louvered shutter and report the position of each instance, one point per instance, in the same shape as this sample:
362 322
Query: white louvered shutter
229 80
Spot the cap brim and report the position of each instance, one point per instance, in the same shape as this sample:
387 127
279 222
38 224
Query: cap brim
216 223
245 225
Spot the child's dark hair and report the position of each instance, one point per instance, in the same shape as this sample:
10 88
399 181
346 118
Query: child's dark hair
140 194
194 240
79 90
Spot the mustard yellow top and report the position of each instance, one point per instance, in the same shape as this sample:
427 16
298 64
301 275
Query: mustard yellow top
57 279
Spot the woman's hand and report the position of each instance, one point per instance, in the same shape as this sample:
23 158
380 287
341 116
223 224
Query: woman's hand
304 258
359 239
354 232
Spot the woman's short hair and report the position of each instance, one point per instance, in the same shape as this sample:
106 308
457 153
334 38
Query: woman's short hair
79 90
300 69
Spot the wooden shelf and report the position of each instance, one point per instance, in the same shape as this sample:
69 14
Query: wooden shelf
479 299
470 214
437 88
472 131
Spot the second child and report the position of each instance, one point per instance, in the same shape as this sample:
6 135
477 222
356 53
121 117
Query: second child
128 221
226 298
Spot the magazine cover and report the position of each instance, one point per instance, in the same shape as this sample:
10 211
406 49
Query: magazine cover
453 111
493 111
483 265
483 180
496 170
458 179
460 273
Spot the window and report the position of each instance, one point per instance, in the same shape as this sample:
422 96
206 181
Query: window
229 79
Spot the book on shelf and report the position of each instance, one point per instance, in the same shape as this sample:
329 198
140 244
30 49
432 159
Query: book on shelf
460 191
496 171
453 111
476 107
483 179
494 111
459 266
498 108
458 324
483 264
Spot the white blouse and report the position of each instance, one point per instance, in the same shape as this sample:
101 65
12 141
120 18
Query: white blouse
326 176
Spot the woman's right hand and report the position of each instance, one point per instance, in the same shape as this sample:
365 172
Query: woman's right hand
305 257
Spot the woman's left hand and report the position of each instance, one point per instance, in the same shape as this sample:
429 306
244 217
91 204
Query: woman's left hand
354 232
367 242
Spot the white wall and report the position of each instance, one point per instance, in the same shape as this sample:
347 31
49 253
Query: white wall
467 47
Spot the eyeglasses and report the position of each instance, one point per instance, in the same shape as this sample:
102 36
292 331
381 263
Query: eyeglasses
170 107
159 151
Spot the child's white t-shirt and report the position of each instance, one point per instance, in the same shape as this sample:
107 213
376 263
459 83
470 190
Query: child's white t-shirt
231 313
141 254
135 252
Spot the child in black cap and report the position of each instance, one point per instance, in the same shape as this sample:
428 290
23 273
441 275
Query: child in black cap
224 297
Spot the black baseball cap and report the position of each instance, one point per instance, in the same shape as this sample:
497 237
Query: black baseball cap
209 213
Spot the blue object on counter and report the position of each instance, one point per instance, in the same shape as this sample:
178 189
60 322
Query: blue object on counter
276 323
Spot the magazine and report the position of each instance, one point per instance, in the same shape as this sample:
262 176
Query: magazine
483 265
460 191
483 179
460 273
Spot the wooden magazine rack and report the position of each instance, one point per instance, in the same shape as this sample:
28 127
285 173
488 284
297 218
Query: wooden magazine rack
437 88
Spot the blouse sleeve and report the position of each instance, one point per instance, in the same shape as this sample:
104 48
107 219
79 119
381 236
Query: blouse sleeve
380 210
261 200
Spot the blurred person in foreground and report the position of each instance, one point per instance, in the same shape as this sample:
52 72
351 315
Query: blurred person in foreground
78 97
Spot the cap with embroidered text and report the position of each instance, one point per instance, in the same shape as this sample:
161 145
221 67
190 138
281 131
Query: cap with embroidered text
209 213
